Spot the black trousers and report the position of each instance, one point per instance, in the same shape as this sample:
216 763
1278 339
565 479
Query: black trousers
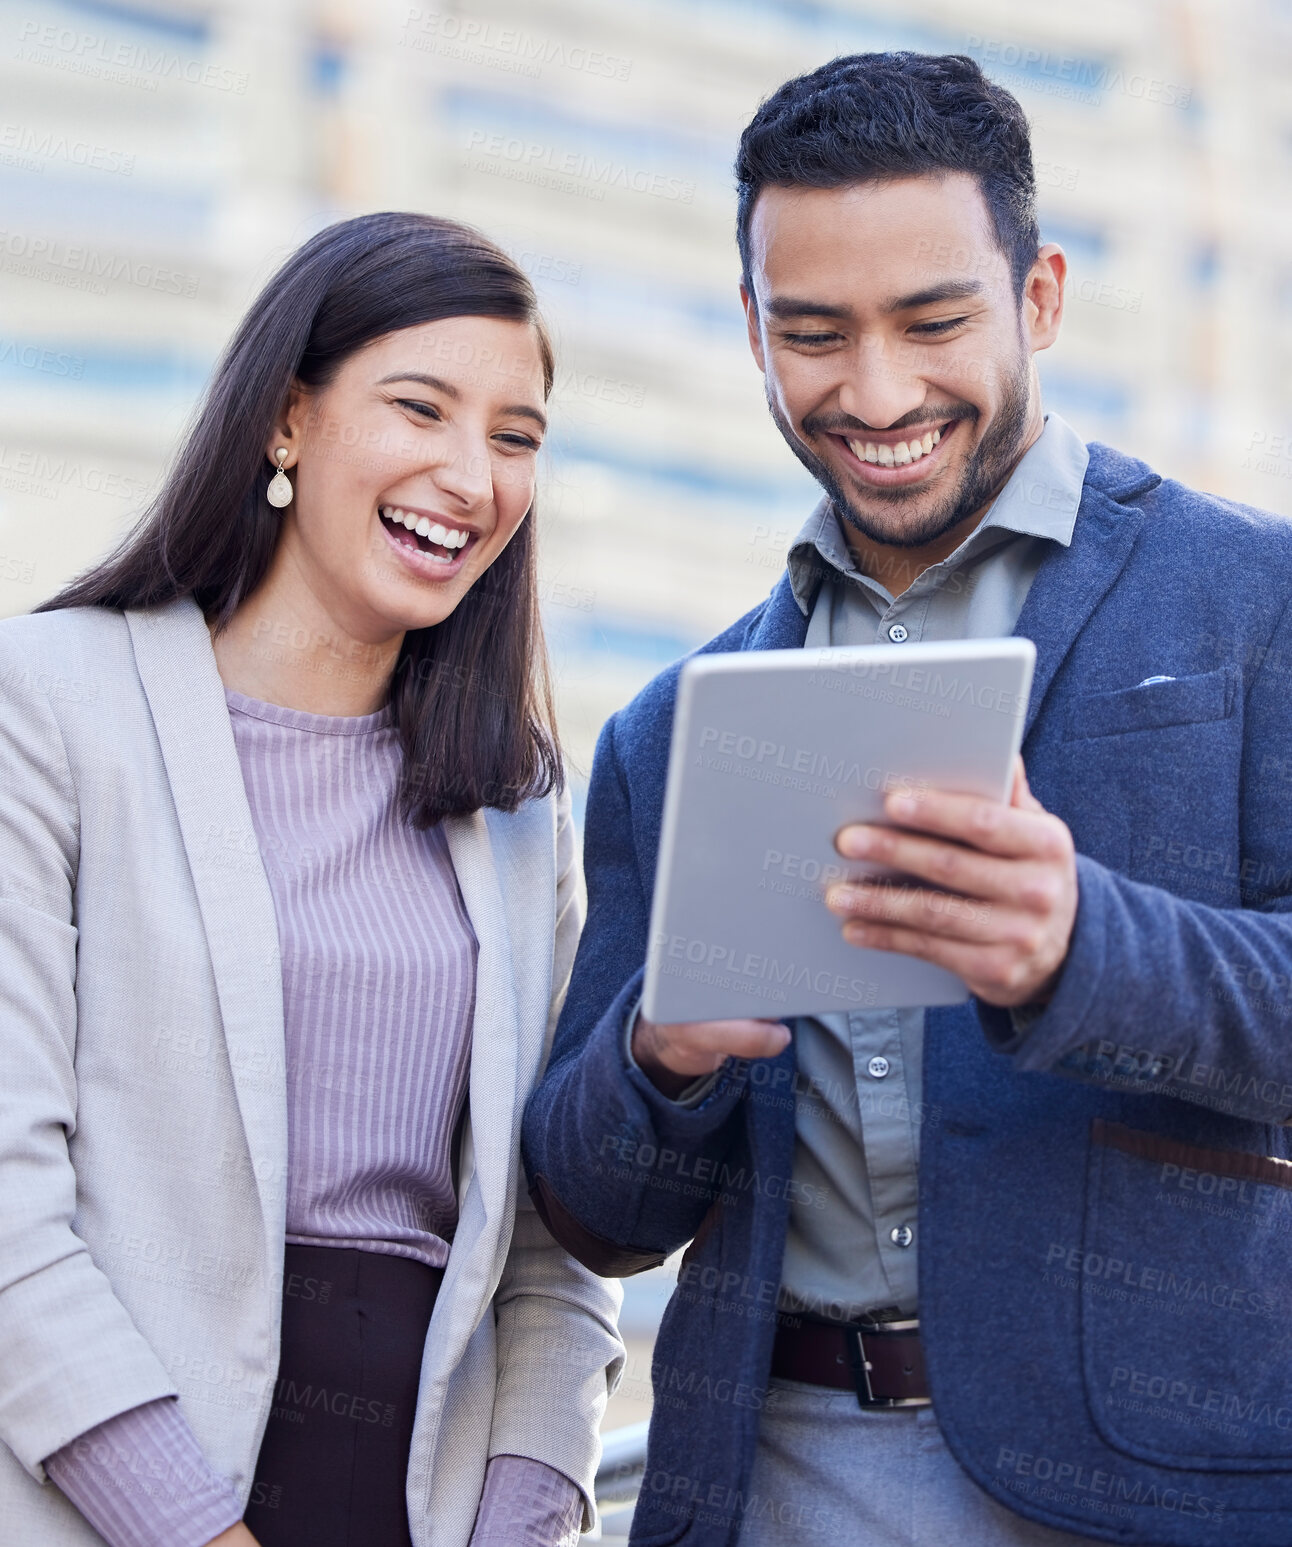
334 1460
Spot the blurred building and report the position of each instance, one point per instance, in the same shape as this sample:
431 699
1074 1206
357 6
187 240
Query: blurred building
157 160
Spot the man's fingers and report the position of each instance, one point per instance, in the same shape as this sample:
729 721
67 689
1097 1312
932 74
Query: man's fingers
992 973
954 868
732 1039
698 1047
916 907
985 825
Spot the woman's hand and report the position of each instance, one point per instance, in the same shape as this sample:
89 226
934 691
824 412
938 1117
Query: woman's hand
235 1536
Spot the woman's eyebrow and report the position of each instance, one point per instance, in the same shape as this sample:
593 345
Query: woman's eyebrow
440 385
449 390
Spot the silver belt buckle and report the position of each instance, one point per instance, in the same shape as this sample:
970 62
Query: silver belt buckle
861 1366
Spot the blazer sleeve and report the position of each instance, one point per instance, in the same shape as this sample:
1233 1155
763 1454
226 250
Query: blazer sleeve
72 1355
1168 995
559 1351
604 1148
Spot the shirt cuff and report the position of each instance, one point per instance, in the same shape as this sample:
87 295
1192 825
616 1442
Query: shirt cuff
694 1093
527 1502
141 1480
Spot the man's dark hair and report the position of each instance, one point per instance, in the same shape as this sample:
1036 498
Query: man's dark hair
874 117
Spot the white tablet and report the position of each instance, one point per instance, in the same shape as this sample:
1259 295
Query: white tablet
773 751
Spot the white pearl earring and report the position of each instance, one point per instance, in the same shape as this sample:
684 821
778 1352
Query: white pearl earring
279 492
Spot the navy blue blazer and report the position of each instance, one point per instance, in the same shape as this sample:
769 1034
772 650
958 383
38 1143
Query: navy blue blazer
1105 1216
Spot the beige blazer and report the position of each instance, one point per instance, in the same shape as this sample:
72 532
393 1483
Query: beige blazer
143 1129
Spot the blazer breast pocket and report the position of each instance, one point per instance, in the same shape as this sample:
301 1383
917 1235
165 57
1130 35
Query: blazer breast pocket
1185 1339
1210 695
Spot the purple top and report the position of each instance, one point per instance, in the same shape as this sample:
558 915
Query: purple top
379 972
379 962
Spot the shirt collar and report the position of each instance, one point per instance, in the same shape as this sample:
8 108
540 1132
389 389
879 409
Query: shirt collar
1039 499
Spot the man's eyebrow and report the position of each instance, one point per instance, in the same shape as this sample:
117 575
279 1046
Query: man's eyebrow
449 390
947 290
782 306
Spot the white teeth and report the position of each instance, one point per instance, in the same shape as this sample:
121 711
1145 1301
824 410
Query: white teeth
435 531
899 454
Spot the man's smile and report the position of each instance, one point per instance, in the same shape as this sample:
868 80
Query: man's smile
886 459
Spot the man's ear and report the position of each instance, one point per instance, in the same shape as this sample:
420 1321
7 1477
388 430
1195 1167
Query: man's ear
1043 296
751 322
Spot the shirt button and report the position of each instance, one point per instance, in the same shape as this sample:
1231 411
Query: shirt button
901 1235
898 632
878 1067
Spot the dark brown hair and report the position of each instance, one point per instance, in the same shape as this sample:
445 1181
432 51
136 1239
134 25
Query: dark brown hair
471 696
874 117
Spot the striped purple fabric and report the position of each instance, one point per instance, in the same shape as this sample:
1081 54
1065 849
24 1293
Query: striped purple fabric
141 1480
379 962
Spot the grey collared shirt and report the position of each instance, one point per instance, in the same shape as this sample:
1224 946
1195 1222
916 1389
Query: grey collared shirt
851 1246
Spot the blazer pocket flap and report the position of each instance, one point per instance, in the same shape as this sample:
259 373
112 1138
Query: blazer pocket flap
1176 701
1186 1344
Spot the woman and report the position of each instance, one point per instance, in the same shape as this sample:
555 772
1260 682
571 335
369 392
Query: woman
289 906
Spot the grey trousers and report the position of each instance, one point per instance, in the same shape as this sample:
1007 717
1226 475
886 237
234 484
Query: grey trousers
829 1473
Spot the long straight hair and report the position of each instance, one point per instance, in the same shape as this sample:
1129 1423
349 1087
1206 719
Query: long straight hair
471 696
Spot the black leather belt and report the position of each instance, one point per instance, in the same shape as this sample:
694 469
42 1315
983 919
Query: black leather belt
882 1361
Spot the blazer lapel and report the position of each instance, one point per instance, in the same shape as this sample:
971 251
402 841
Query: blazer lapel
1071 583
495 1024
186 696
781 625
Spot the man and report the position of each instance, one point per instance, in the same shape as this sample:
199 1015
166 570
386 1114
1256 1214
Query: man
1087 1160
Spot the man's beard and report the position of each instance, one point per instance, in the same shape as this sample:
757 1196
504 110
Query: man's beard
987 468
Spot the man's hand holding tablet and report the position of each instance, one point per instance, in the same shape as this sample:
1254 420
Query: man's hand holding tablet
672 1056
1003 902
999 914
